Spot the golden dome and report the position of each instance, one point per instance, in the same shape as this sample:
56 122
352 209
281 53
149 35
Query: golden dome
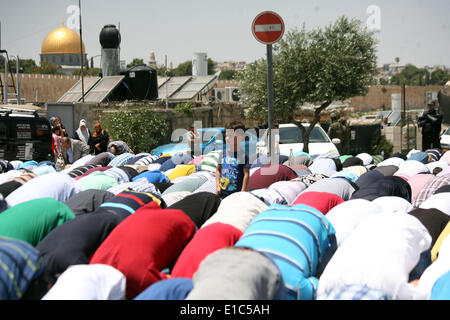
62 40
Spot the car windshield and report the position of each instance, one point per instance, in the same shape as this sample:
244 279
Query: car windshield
294 135
447 132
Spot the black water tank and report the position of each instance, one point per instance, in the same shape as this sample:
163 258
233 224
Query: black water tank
142 82
110 37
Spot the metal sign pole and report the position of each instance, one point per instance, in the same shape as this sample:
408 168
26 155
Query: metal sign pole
81 55
5 83
270 102
19 97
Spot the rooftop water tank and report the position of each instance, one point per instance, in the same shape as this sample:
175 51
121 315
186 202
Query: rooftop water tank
142 82
199 64
110 37
110 41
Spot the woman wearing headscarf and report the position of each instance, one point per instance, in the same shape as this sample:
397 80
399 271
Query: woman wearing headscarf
100 140
83 133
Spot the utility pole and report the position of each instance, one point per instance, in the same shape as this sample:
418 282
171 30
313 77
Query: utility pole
19 96
5 84
81 55
167 88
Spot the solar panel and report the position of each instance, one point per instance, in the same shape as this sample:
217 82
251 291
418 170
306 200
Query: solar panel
103 89
75 93
161 81
194 87
173 85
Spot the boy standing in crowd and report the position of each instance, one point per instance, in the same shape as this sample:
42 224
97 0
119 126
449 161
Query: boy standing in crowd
233 171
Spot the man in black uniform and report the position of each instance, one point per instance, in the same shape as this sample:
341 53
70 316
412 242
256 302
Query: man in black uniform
431 123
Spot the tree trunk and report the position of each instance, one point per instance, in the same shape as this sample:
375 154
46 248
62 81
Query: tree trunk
307 132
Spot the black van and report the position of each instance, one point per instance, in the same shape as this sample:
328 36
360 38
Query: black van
25 136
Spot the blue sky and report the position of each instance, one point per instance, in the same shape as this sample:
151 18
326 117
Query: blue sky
417 31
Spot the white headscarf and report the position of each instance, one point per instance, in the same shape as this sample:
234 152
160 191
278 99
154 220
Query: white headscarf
83 134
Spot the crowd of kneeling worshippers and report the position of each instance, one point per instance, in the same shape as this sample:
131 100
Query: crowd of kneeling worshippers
144 227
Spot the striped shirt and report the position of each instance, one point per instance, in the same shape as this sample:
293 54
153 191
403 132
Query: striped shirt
354 292
210 161
121 160
77 172
140 185
146 160
128 201
428 190
296 238
25 177
20 264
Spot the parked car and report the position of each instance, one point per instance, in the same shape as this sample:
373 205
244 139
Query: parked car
24 136
212 139
445 140
291 139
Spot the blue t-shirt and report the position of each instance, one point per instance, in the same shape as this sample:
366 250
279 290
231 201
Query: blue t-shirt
232 171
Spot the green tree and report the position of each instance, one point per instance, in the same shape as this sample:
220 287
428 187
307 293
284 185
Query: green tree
439 78
162 72
25 65
228 75
383 82
318 66
185 68
135 62
142 129
92 72
411 76
47 68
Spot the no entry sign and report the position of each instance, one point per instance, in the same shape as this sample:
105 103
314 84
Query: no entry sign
268 27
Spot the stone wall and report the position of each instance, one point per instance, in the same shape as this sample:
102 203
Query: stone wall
38 88
382 95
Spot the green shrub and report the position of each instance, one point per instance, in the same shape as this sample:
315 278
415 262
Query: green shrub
142 129
379 144
185 108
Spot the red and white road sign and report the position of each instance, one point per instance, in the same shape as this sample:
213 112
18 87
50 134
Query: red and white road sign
268 27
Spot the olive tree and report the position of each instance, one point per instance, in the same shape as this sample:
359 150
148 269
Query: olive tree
319 66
